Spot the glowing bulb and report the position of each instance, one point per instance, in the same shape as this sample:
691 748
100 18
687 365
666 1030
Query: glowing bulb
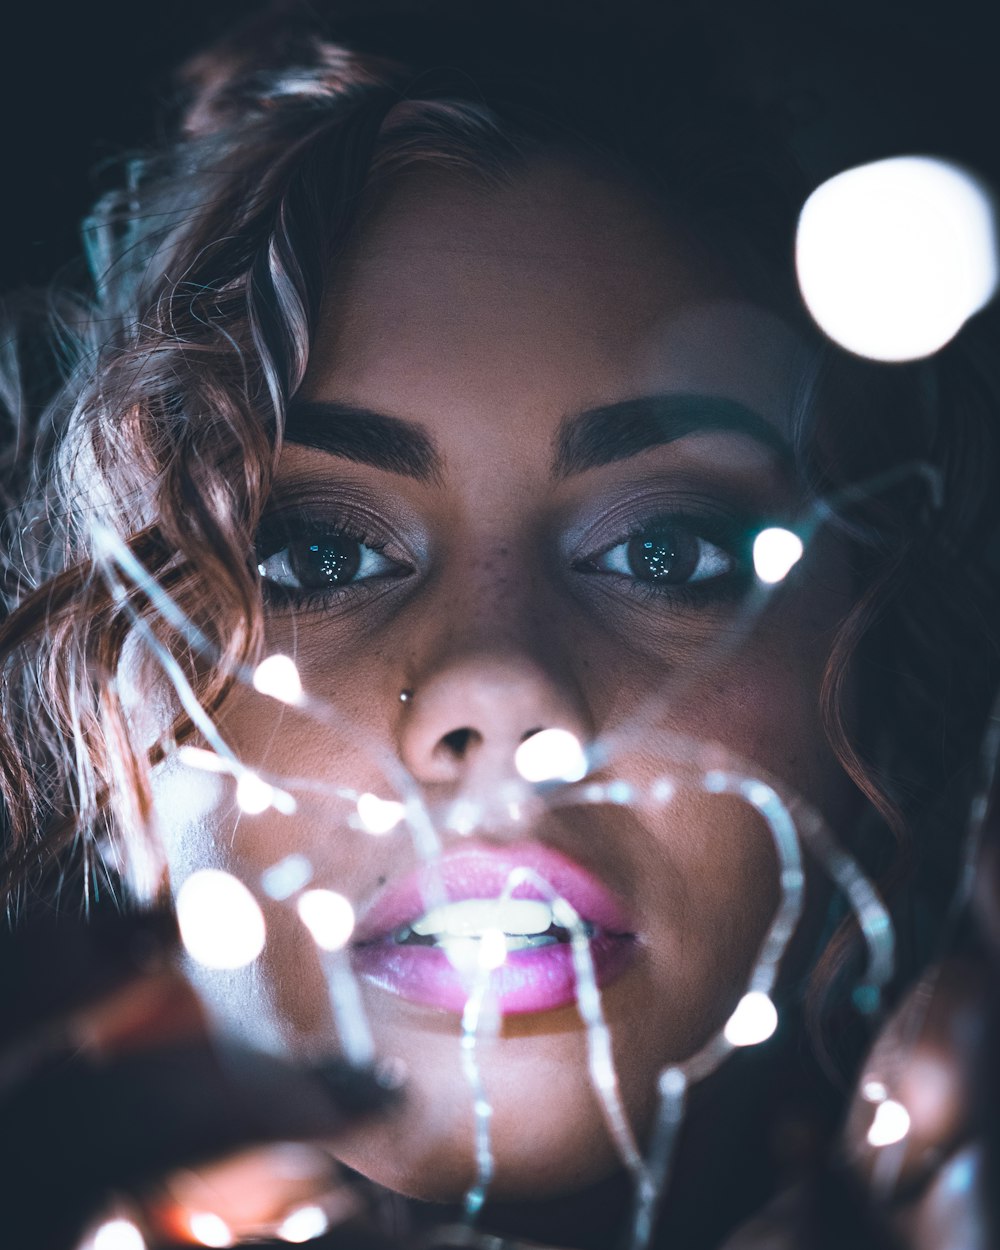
874 1091
253 794
775 552
118 1235
287 876
551 755
303 1225
328 916
220 921
278 677
379 815
894 257
753 1021
209 1229
204 761
890 1125
492 950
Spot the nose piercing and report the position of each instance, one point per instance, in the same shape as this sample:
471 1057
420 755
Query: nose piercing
405 696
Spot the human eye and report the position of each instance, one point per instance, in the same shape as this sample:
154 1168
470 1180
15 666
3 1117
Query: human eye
302 560
677 553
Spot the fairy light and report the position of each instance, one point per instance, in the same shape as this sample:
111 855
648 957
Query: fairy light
551 755
304 1224
874 1091
379 816
895 256
278 677
753 1021
286 877
890 1124
204 761
118 1234
775 552
209 1229
328 916
220 922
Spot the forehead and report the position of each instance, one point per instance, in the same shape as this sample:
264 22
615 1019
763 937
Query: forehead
552 293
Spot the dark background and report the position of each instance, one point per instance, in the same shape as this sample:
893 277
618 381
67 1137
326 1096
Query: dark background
83 84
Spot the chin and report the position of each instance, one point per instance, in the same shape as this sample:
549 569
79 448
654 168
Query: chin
548 1132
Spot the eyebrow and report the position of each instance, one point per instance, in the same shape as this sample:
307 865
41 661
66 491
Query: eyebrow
585 440
619 431
364 436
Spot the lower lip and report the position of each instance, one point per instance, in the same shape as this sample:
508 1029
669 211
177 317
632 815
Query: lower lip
529 980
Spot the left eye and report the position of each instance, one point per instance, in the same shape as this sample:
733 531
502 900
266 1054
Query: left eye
665 556
324 562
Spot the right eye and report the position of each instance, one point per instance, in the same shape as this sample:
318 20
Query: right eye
318 562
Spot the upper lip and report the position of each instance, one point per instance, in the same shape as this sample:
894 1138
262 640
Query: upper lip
480 871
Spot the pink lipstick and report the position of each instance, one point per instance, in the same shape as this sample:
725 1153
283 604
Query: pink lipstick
409 940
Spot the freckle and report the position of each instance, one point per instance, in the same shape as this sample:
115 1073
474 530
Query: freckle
381 880
502 550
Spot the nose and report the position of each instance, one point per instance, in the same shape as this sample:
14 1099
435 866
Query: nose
463 725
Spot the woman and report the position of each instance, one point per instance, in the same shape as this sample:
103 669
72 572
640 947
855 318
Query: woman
466 374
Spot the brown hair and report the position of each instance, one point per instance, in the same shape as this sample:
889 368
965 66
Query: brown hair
161 400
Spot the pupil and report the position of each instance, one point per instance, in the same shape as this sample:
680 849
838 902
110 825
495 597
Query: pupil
665 556
330 562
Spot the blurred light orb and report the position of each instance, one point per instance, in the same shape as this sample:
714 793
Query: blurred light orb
874 1091
118 1235
278 677
890 1125
286 877
328 916
221 923
377 815
209 1229
253 794
753 1021
551 755
894 257
204 761
492 950
775 552
304 1224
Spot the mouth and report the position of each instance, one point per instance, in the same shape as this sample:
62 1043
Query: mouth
501 914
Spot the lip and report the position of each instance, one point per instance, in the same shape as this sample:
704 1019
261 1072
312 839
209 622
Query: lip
529 980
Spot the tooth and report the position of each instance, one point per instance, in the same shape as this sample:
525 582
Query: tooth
474 916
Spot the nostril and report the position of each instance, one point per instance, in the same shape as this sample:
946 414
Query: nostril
458 743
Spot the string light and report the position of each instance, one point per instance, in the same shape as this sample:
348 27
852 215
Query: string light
753 1021
379 816
775 552
894 257
328 916
890 1125
220 922
209 1229
551 755
304 1224
278 677
118 1234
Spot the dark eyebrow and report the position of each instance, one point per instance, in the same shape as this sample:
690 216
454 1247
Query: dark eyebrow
618 431
364 436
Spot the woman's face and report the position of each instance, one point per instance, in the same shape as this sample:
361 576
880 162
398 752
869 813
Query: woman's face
538 430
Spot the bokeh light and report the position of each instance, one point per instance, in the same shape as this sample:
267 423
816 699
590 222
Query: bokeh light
753 1021
303 1225
894 257
775 552
118 1234
328 916
551 755
377 815
220 921
209 1229
278 677
890 1125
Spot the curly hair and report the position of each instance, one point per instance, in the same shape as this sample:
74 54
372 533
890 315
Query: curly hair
153 407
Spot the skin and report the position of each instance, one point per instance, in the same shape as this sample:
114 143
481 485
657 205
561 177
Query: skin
488 316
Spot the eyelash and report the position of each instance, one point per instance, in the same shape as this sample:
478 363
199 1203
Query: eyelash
732 534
